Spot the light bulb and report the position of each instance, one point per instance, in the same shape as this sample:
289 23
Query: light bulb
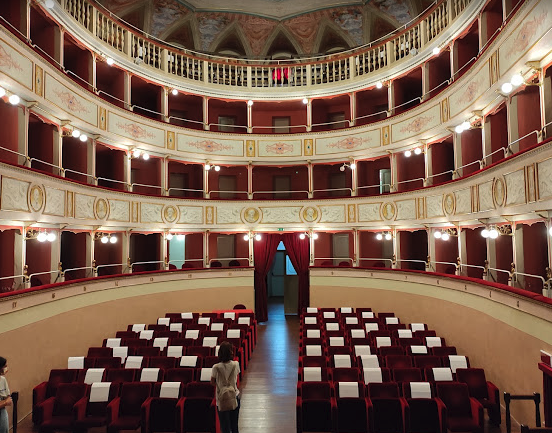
485 232
49 4
14 99
83 137
342 168
436 51
465 125
379 236
250 102
517 80
417 151
257 237
136 153
145 156
459 129
76 133
305 101
169 236
408 153
110 61
507 88
315 235
207 166
41 237
51 237
353 166
174 92
445 236
388 237
113 239
245 237
437 235
2 92
217 167
180 237
302 235
105 239
493 233
379 85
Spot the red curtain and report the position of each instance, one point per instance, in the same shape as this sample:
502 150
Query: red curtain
264 251
299 253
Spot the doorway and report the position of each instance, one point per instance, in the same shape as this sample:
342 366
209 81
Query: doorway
282 281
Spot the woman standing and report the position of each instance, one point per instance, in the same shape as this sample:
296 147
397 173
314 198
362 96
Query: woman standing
5 398
225 376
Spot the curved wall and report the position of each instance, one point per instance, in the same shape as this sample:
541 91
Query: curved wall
41 329
499 331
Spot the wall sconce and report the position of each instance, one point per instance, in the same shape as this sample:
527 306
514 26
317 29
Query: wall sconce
40 235
252 235
445 234
350 165
209 166
12 98
384 235
516 81
415 151
105 238
494 232
309 235
137 153
75 133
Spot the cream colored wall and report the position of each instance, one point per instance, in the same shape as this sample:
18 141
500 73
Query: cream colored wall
41 337
502 339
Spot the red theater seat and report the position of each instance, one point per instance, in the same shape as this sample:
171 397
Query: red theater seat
352 408
196 414
124 412
464 413
315 407
482 390
48 389
91 411
56 413
389 415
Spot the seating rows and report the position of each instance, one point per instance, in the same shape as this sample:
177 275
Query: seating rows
144 377
358 377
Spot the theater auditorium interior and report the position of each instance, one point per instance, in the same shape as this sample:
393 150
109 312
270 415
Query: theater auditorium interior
356 194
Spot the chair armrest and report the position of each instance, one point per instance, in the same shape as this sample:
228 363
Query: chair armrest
46 409
298 417
442 409
145 414
405 413
79 409
477 411
113 410
39 393
492 391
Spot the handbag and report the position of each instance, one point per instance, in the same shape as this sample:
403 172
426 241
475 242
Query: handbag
228 398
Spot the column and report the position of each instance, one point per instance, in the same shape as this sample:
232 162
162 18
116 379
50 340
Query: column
352 106
391 98
396 249
55 256
486 140
462 249
250 180
356 248
164 252
310 179
165 104
19 252
312 242
206 113
128 90
354 178
517 246
513 132
57 148
431 249
91 161
126 251
457 150
394 173
205 183
165 176
453 59
128 170
309 115
428 165
23 135
425 81
206 249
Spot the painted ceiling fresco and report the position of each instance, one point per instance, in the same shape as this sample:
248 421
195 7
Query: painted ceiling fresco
260 28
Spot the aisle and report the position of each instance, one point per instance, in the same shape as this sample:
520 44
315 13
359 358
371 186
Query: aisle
269 387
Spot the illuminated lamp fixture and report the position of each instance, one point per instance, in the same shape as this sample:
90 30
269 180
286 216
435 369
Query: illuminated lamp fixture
408 153
436 51
303 236
209 166
507 88
104 239
550 231
252 235
75 133
379 85
516 80
14 99
305 101
180 237
464 126
42 236
257 237
83 137
2 92
493 233
417 151
384 235
110 61
174 92
438 234
250 102
168 236
145 156
315 236
49 4
485 232
351 165
136 153
245 237
217 167
113 239
308 235
445 236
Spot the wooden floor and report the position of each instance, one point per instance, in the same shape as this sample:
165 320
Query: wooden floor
269 387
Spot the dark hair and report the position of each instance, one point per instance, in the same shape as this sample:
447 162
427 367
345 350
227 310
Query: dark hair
226 352
3 362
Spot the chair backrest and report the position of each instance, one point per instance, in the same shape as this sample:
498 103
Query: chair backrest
315 390
184 375
67 395
132 397
456 397
476 381
344 374
383 390
200 389
349 389
411 374
120 375
417 390
57 377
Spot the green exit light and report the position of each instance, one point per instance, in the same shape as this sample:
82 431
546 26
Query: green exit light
280 229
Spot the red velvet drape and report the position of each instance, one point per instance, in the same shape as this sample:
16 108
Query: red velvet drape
264 251
298 251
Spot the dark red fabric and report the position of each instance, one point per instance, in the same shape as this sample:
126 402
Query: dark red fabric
263 252
298 251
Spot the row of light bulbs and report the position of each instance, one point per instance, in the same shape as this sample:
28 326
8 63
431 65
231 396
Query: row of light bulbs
137 153
441 234
212 166
77 134
108 238
515 81
13 98
385 235
46 236
491 232
415 151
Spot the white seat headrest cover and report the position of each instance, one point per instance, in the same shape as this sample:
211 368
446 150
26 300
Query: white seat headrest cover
383 341
134 362
362 349
457 361
337 341
75 362
442 374
313 350
169 390
369 361
93 375
205 375
348 389
342 361
99 392
420 390
372 375
149 375
138 327
161 342
312 374
188 361
174 351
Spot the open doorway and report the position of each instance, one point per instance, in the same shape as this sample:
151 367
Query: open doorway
282 281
